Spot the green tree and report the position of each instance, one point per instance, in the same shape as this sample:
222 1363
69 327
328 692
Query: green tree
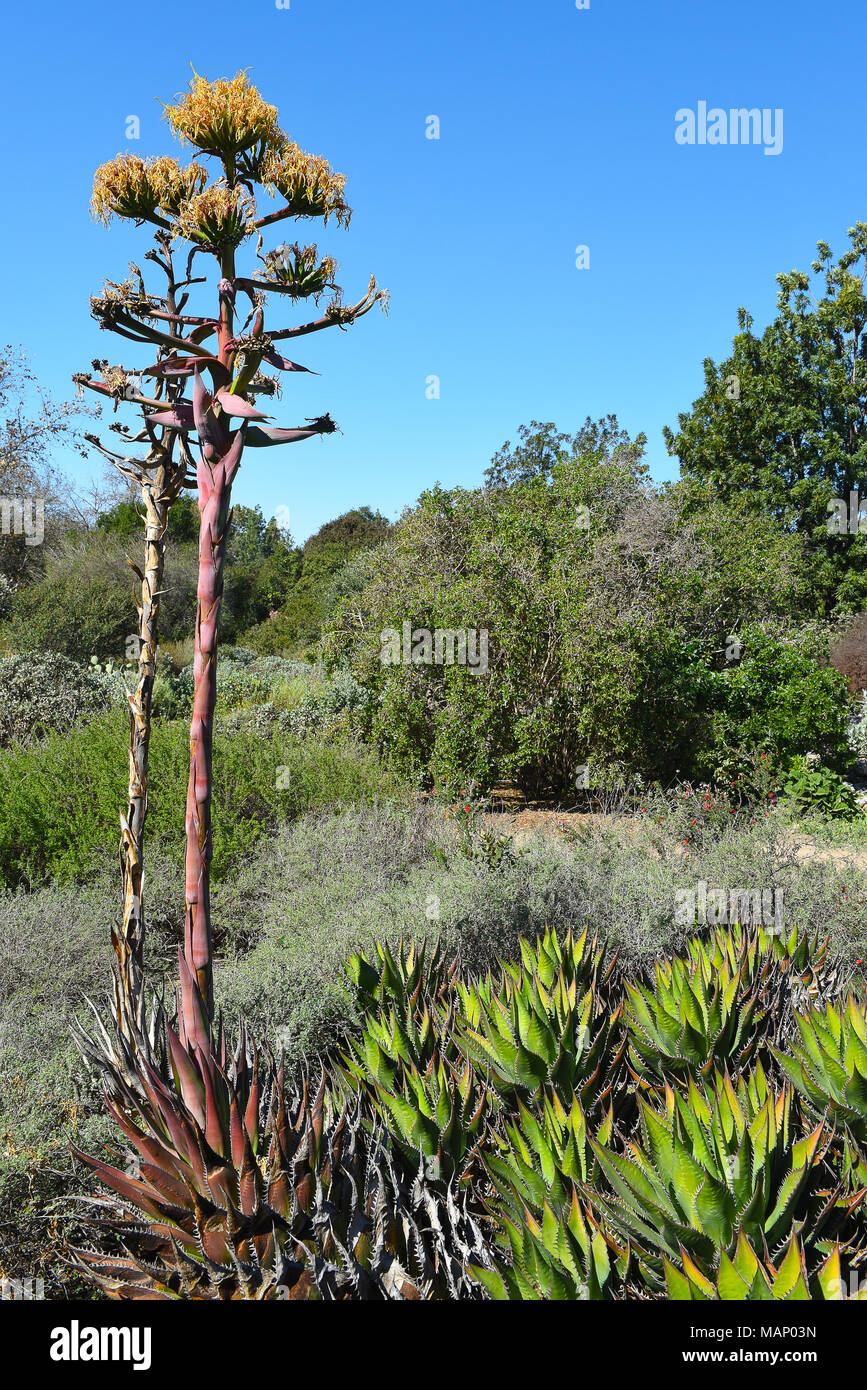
782 419
542 446
124 520
32 425
609 615
295 591
246 544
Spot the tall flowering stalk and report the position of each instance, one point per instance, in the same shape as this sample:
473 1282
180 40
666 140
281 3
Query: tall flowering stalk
160 476
223 363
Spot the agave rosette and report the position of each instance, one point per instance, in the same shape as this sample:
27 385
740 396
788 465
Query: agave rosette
548 1022
719 1162
408 1063
695 1014
247 1187
827 1065
546 1244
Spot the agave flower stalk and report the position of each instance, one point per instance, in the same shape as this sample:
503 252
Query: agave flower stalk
158 494
160 478
227 121
159 490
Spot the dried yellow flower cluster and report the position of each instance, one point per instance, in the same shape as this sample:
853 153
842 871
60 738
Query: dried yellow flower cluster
223 117
307 182
129 186
117 379
218 217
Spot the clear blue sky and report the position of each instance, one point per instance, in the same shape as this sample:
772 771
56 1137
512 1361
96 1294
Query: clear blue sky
556 130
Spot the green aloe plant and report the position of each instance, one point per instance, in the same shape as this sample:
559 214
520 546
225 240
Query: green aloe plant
408 1062
746 1277
441 1058
739 948
828 1067
545 1245
548 1243
548 1022
698 1013
716 1162
555 1258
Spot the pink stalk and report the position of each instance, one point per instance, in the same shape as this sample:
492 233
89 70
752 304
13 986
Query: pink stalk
220 457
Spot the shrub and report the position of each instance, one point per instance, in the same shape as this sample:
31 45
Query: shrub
244 679
252 682
858 728
813 787
294 625
334 704
44 692
849 652
778 699
6 595
56 818
84 604
607 613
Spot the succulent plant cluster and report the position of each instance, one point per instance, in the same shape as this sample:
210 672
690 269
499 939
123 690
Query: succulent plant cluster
517 1137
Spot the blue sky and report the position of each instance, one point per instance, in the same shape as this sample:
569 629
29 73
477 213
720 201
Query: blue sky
557 129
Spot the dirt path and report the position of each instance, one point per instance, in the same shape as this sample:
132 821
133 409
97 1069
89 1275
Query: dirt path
524 824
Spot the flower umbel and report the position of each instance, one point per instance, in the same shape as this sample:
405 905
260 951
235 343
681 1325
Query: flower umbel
129 186
218 217
222 117
307 182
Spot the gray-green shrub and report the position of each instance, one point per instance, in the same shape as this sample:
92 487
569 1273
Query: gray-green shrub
43 691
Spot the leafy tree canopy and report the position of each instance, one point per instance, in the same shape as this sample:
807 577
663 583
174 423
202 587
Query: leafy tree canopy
124 519
782 418
610 618
542 446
